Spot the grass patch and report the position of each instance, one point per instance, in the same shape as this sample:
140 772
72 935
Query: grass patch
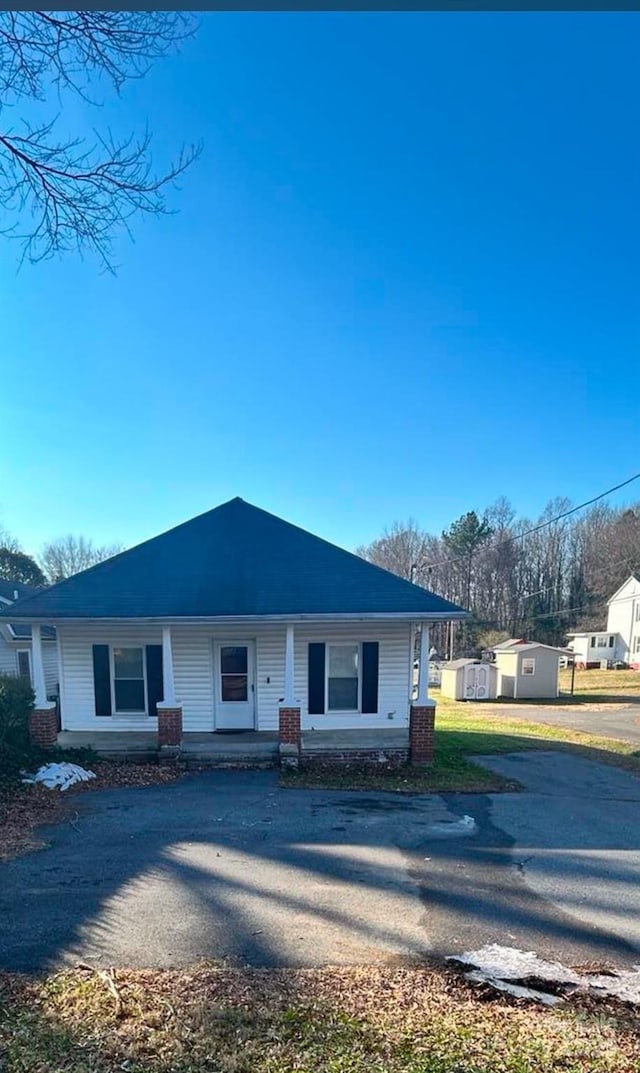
450 771
370 1019
463 733
601 686
460 732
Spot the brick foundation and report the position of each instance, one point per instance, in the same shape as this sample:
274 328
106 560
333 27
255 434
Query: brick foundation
358 759
169 726
421 733
43 727
289 726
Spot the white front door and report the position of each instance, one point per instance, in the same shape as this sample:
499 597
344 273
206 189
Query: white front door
234 692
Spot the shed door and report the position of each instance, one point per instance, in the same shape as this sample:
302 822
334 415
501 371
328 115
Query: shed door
469 673
483 673
234 663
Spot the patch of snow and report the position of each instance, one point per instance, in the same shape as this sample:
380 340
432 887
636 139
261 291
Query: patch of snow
465 826
61 776
506 969
509 963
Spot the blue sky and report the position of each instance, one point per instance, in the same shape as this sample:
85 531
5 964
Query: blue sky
402 280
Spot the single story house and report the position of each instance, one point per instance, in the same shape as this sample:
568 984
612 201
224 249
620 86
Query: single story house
15 641
620 641
235 620
527 669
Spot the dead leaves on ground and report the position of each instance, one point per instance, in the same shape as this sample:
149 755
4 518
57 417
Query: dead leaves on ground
400 1019
23 812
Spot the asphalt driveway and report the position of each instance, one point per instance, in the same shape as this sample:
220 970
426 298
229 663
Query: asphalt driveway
226 864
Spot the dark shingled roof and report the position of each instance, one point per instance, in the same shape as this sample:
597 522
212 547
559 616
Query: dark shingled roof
235 560
22 630
8 589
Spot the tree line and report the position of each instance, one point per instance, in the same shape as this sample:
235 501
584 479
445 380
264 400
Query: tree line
56 560
519 577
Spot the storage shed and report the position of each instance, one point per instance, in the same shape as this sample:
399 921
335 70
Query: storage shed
528 670
469 679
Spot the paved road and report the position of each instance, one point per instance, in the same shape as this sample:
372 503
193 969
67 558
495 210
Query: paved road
225 864
623 723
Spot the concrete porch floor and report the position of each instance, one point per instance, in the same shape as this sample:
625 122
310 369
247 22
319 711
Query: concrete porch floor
247 745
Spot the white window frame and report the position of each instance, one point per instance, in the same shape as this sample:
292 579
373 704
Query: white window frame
636 645
342 644
604 638
638 611
28 652
112 670
526 661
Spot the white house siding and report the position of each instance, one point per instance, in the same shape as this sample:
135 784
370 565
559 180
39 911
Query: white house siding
624 618
194 671
394 669
50 664
9 659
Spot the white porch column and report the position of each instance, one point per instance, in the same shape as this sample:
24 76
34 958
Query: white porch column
168 685
289 673
39 685
423 669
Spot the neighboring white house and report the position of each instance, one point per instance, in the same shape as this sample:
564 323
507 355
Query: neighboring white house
15 641
620 641
527 670
231 617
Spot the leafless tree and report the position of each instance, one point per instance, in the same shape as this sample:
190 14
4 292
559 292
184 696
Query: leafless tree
57 192
537 584
69 555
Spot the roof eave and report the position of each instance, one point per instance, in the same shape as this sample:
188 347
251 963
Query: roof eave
360 616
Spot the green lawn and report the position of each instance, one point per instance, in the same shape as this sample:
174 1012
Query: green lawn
463 732
368 1019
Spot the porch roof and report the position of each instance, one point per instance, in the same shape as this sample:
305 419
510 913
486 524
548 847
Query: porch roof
234 562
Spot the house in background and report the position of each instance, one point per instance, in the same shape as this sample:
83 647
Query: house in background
620 641
236 620
15 641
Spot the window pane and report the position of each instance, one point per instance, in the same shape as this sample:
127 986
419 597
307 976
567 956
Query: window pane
234 687
233 660
129 695
343 694
24 670
343 661
127 662
528 666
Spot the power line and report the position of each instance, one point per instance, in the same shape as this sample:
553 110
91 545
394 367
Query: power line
568 610
544 525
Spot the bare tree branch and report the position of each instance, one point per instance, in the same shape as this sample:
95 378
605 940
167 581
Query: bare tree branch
62 194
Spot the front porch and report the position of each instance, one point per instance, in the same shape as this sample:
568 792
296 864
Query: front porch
246 747
311 693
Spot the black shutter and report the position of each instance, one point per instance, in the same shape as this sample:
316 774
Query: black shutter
155 687
102 679
316 678
369 677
